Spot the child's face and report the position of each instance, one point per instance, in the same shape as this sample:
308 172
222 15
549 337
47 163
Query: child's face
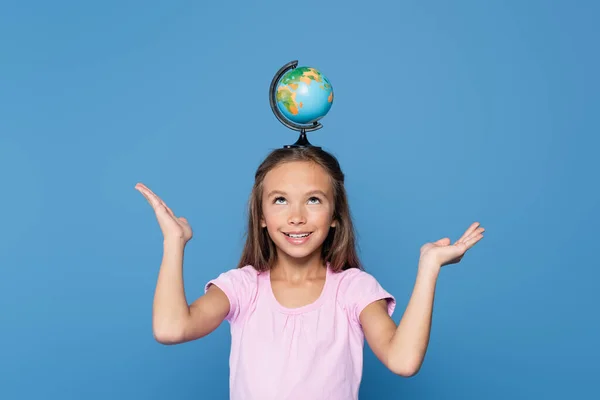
298 208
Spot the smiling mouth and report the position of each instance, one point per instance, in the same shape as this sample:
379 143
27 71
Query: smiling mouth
297 235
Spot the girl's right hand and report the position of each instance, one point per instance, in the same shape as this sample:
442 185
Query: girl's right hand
171 226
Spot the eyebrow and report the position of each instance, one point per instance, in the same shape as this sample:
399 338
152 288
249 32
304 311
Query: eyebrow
312 192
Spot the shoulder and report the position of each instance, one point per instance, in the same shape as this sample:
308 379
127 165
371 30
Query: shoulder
352 277
246 273
238 279
239 285
358 288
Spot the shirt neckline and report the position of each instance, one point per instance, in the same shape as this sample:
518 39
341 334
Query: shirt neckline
305 308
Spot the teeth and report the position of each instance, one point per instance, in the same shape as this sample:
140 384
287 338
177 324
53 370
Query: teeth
295 236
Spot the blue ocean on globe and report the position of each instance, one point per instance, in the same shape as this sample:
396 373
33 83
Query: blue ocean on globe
304 95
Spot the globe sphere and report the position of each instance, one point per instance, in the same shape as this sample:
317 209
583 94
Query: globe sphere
304 95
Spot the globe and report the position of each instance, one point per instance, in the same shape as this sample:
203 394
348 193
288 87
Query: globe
304 95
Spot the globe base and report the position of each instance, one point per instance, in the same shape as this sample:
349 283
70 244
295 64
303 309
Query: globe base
301 142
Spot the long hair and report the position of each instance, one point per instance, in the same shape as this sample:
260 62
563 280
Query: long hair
339 248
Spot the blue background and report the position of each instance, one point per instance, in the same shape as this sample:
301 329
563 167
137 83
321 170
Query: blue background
445 113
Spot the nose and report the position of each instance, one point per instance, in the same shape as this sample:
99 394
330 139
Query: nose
296 216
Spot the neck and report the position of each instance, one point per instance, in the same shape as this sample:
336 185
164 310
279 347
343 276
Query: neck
298 269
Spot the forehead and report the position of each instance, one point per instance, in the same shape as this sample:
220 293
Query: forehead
297 176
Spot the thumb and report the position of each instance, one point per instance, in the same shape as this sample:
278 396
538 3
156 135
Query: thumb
443 242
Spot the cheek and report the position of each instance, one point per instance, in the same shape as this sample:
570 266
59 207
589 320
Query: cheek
321 216
273 216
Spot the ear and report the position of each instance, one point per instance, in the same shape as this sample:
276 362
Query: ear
263 224
333 223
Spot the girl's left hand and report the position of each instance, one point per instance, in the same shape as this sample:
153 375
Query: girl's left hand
442 253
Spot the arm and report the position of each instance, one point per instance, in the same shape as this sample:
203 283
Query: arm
173 321
402 349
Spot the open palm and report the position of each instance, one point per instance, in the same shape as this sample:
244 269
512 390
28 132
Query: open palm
443 253
171 226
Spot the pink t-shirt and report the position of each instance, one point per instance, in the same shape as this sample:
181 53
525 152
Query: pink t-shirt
313 352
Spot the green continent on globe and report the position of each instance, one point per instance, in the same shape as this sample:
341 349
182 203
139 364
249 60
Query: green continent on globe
286 90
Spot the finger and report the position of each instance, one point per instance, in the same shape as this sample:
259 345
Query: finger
167 209
141 187
171 213
162 202
472 234
145 189
470 229
154 199
468 232
473 240
477 232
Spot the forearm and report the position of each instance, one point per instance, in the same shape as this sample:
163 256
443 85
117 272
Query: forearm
170 309
411 338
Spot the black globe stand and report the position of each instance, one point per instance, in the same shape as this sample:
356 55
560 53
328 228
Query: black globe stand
302 139
301 142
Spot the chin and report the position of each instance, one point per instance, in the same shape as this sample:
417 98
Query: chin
299 255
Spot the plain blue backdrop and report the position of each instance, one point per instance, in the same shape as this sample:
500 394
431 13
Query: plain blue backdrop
445 113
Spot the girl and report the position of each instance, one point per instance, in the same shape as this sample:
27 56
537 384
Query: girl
299 304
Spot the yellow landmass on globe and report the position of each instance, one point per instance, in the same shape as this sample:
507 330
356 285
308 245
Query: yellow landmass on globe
288 98
306 76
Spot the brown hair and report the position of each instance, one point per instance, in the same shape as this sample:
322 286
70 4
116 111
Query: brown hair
339 248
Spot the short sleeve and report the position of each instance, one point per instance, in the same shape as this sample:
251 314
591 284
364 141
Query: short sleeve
363 289
239 285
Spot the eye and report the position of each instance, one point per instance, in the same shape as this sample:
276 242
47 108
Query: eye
315 199
277 199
